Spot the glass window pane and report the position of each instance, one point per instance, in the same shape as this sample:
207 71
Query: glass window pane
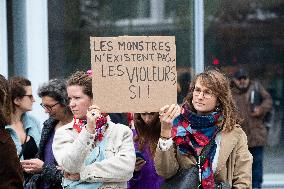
71 23
247 34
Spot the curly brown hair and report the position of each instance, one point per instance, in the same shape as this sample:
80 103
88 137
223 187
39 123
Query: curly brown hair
18 90
219 84
5 102
147 133
81 78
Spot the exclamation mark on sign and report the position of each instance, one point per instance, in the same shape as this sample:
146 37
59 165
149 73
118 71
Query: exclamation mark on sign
148 92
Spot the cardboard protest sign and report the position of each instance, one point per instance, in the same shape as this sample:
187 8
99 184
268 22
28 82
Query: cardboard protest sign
133 73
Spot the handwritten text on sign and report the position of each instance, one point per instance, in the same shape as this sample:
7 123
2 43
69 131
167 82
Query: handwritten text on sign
133 74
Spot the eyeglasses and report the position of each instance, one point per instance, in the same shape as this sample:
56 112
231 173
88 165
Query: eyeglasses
49 108
30 96
206 93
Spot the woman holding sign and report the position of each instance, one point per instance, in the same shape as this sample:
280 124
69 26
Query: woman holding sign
204 137
92 151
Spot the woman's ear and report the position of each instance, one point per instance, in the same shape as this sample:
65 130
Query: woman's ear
17 101
218 106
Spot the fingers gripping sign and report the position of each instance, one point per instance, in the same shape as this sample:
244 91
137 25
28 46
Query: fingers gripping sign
167 115
93 114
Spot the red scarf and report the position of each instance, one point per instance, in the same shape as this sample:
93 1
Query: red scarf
79 124
101 121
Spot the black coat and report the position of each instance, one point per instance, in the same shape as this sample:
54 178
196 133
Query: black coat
50 173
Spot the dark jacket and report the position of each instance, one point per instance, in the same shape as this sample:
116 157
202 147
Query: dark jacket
49 173
253 126
11 175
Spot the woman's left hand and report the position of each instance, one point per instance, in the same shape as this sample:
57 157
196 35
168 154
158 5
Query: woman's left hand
32 165
72 176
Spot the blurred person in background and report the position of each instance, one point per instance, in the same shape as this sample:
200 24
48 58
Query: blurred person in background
253 102
11 175
24 129
146 135
47 174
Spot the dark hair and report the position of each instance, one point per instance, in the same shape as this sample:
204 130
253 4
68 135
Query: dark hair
18 85
81 78
56 89
184 80
5 102
147 134
219 84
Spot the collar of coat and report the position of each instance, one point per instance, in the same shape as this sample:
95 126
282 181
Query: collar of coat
226 147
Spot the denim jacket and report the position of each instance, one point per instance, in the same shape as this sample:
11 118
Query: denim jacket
31 124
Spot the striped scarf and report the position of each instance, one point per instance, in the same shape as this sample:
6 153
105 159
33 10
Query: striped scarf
191 133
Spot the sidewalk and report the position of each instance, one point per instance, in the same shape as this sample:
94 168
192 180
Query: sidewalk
273 167
273 181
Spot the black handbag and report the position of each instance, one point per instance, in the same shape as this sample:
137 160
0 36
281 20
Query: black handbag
183 179
188 178
191 178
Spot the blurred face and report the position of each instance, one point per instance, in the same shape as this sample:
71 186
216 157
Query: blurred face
242 82
204 101
79 101
25 103
52 107
148 118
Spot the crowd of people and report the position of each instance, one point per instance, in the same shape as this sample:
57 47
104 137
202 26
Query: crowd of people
216 127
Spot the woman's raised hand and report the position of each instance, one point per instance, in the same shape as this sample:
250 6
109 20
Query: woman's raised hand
93 114
167 115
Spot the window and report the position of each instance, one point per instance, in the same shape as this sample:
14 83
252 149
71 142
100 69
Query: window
246 34
71 23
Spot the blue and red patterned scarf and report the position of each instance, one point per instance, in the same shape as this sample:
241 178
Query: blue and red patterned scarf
191 133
